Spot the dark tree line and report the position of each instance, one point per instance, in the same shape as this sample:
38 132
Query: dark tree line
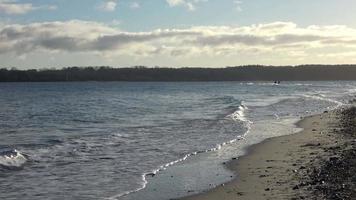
242 73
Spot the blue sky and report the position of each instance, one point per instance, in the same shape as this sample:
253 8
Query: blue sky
175 33
153 14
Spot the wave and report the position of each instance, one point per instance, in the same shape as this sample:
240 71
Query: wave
275 84
12 159
230 100
143 186
238 115
352 90
302 84
268 100
322 97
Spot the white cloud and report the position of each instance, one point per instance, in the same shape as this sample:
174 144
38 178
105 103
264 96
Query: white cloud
189 4
237 4
12 7
283 39
115 22
134 5
175 2
108 6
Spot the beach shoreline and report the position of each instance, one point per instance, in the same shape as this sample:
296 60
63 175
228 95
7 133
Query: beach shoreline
288 167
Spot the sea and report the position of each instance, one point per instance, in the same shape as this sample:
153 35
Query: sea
143 140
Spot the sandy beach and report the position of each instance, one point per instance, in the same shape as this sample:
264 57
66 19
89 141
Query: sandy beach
316 163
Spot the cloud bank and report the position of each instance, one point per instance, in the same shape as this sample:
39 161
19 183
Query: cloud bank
284 39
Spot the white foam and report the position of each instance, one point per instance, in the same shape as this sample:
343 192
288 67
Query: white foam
239 115
267 101
15 159
324 98
143 185
302 84
276 84
153 173
352 90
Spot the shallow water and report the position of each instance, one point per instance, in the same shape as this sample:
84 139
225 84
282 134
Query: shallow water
105 140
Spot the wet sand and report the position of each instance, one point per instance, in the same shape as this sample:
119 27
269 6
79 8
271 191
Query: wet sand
305 165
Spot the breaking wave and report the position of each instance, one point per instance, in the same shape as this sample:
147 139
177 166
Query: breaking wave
237 116
322 97
12 159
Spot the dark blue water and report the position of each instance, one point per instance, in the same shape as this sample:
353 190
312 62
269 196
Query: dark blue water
98 140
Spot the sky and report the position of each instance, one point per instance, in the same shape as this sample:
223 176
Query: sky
176 33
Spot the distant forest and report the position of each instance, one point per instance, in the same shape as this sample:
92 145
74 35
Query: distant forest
141 73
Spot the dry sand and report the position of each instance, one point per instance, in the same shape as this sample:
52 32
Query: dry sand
275 168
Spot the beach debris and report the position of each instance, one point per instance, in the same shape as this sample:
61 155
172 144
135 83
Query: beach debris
302 167
311 145
333 159
151 174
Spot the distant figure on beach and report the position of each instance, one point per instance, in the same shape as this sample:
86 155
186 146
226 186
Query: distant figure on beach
277 82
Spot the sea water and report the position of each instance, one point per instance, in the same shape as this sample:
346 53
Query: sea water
120 140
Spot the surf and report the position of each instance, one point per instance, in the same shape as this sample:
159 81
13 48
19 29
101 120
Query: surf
12 159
